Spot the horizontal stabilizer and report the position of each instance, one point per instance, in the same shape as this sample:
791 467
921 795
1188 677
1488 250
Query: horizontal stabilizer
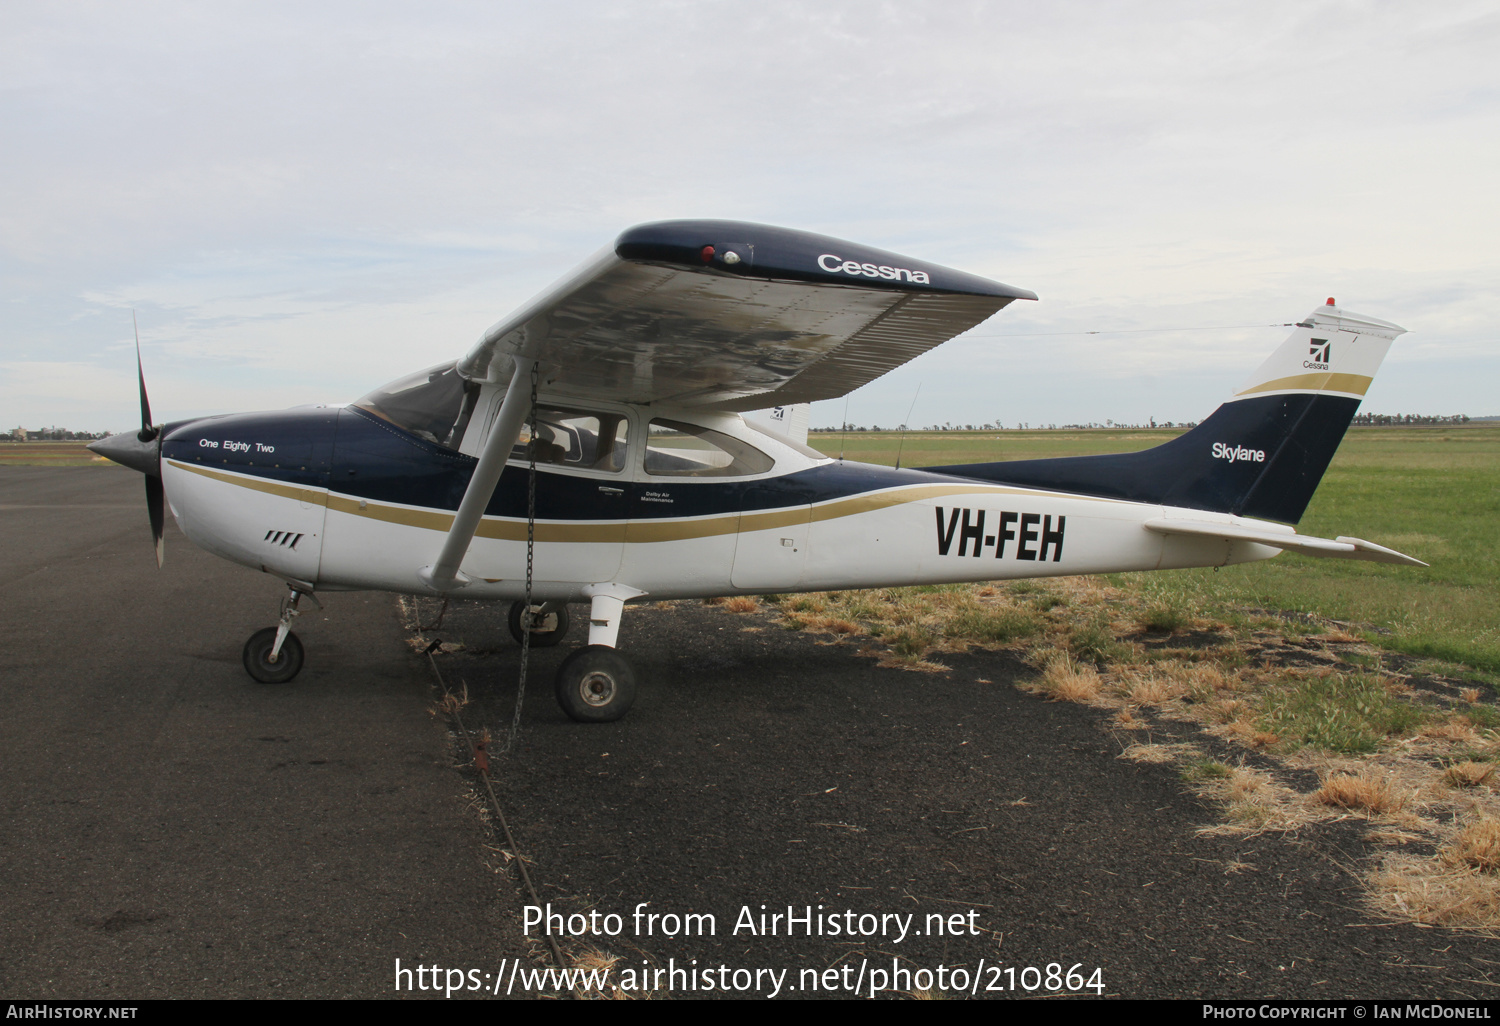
1341 547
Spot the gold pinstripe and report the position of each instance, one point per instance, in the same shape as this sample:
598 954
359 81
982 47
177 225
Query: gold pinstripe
312 496
1323 381
618 531
431 520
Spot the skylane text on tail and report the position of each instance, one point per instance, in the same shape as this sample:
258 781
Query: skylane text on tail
601 431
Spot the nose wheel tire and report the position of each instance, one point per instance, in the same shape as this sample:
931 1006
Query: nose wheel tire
257 657
595 685
547 629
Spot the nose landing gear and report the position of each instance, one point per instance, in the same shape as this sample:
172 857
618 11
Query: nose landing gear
266 664
273 655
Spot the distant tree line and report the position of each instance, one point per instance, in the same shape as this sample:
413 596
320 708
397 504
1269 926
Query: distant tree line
1402 419
1361 420
51 434
1002 427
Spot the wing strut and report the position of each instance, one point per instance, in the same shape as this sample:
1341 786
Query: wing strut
444 574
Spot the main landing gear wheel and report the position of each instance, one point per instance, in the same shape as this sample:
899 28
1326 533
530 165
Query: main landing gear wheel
595 685
257 657
547 629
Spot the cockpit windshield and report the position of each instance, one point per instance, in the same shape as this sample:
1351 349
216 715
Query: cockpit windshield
434 404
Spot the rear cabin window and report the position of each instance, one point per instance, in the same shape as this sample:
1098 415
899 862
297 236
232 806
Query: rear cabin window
675 449
575 438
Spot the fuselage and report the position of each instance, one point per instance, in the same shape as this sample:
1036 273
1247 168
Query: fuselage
344 499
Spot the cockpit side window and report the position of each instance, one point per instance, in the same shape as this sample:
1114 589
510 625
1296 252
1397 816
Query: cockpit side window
434 404
574 438
676 449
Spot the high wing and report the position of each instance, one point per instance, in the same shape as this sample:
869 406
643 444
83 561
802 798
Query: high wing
713 314
733 316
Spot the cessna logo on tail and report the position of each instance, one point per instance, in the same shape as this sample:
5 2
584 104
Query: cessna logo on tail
1318 349
967 525
838 265
1238 453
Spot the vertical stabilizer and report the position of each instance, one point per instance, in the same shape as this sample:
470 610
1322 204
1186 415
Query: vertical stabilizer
1262 453
1331 353
787 421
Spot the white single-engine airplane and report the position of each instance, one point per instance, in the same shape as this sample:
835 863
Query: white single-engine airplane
599 431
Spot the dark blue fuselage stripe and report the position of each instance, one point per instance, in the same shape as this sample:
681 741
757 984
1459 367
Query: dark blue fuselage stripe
1296 435
353 453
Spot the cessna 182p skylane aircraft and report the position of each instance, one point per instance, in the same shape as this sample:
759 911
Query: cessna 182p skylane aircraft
605 417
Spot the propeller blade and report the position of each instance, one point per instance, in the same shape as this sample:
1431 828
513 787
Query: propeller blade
156 508
147 431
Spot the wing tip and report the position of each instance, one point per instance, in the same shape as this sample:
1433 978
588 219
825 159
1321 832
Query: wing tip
746 249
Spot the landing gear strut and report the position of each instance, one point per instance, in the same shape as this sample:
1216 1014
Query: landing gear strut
273 655
596 684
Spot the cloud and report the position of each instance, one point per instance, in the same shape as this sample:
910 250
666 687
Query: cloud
294 196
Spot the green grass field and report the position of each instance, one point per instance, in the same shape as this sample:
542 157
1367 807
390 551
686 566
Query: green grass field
1433 493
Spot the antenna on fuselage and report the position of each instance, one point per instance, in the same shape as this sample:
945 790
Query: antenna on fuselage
905 423
844 428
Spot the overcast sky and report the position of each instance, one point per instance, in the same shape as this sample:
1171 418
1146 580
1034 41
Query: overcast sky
303 201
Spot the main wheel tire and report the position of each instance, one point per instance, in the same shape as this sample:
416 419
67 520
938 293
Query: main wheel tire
595 685
257 657
541 636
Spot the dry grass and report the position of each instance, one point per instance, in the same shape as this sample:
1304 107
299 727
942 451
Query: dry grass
420 645
1065 681
916 622
1248 732
1252 801
1372 738
1228 711
1337 637
451 703
1459 887
742 604
896 661
1269 685
1476 846
1158 754
1168 680
1148 688
1411 889
592 959
1369 791
1468 774
1454 728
